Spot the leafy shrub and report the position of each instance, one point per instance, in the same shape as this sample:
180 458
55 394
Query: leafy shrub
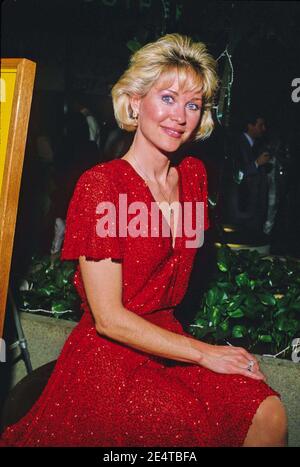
253 301
48 289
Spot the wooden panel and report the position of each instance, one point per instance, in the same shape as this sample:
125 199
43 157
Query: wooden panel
17 79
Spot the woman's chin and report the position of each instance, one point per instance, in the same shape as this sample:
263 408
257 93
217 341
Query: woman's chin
169 146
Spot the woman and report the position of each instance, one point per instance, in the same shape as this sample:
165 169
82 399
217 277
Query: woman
128 374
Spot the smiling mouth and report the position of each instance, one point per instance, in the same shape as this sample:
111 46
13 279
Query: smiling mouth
171 132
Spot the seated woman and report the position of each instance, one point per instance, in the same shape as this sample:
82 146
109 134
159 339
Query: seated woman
128 374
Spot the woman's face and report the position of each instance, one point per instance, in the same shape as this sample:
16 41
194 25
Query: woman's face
169 113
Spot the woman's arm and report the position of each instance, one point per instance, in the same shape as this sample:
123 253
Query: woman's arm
103 285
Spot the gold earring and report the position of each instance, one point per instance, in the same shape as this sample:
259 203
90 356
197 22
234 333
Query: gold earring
135 117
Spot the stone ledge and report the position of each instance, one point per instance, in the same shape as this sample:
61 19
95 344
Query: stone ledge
284 377
45 338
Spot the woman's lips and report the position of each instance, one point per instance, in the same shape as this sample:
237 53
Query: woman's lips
171 132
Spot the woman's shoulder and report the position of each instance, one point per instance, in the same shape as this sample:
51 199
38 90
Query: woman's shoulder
98 182
193 165
104 172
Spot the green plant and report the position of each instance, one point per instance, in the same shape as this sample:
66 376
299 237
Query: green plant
48 289
253 301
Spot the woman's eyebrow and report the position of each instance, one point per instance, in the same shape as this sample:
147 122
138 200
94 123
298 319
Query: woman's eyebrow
170 90
175 92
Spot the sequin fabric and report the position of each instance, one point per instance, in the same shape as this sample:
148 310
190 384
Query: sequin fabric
104 393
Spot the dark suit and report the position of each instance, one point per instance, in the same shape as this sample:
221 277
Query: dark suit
248 200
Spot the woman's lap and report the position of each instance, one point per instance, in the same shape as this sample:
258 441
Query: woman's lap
231 400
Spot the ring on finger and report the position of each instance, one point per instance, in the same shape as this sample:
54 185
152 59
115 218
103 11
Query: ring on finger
250 365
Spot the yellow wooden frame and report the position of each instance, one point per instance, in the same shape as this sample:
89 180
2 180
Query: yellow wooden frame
18 74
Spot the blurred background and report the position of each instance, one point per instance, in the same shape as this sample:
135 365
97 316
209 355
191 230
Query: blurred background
82 46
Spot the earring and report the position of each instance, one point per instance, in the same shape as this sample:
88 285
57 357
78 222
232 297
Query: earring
135 116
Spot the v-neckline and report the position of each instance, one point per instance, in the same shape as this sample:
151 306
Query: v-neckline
174 237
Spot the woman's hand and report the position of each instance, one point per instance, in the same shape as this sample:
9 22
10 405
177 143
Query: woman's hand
230 360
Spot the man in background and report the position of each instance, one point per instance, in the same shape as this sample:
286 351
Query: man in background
77 103
248 202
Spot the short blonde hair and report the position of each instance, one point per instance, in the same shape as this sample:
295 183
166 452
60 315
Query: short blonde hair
171 52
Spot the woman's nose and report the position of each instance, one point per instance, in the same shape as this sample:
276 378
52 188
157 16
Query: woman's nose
178 114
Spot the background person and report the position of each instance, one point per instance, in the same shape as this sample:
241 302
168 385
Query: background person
248 199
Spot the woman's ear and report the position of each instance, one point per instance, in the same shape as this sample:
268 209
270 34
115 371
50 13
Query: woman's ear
135 105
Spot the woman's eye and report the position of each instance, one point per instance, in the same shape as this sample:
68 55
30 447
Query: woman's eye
167 99
193 106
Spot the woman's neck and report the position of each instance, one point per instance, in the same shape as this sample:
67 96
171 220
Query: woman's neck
154 163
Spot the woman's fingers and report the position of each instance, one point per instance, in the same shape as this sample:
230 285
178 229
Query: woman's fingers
251 365
248 366
247 355
233 360
241 370
252 371
249 360
255 375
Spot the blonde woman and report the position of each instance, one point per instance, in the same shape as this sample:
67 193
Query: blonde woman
128 374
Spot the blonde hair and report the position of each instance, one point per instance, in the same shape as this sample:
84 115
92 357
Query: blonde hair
171 52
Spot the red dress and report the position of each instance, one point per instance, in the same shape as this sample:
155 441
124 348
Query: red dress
104 393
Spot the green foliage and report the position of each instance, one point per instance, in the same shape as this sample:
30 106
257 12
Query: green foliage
49 288
253 301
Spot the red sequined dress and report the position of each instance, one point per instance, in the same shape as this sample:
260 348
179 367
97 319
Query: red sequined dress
104 393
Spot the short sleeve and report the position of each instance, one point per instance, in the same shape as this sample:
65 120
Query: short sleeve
95 191
201 175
